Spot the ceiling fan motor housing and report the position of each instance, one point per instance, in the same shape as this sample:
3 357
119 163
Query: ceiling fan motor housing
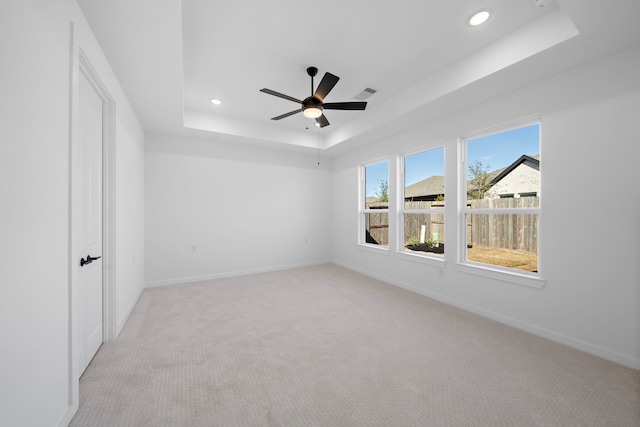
311 101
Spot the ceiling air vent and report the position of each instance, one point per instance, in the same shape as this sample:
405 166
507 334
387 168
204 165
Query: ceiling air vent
364 94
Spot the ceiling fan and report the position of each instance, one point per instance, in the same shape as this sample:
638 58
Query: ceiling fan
313 106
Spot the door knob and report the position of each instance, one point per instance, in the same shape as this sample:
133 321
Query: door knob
89 260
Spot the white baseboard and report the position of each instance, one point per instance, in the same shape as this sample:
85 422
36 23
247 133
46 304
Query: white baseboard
123 320
68 415
190 279
545 333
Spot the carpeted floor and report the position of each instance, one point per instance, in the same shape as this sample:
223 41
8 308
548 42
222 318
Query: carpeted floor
324 346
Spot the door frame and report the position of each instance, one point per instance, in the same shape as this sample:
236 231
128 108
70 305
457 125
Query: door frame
80 65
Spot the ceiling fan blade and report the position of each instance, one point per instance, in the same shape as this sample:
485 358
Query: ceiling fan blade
280 95
322 121
344 105
290 113
326 84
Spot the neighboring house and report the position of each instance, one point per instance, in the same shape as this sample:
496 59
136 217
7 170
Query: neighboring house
426 190
520 179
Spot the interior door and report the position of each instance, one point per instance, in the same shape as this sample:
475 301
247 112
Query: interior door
90 110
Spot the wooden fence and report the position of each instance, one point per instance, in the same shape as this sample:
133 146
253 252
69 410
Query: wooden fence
377 224
433 223
506 231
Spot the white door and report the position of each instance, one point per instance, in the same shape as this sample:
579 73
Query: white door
90 110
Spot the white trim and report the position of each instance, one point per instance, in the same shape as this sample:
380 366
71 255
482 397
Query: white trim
128 312
79 64
487 270
422 211
401 211
506 275
108 198
461 188
441 143
503 211
375 161
377 249
503 127
386 210
436 261
73 384
362 197
191 279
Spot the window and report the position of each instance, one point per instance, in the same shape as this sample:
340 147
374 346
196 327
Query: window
374 204
502 186
422 213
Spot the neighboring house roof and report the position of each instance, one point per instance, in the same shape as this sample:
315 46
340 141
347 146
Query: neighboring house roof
433 186
372 202
501 173
427 188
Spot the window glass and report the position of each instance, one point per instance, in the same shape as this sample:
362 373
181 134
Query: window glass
423 204
375 215
503 199
504 164
424 177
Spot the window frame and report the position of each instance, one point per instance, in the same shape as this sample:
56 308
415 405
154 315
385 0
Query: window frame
363 211
401 211
532 279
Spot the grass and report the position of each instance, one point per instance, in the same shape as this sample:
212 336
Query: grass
526 261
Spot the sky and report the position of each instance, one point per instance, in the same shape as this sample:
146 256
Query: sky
500 150
494 151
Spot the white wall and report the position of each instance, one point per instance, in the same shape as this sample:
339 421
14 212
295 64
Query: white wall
590 223
35 260
221 208
129 214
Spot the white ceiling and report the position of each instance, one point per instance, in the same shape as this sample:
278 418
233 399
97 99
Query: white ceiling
172 56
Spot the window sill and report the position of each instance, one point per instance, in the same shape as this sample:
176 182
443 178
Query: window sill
437 261
378 249
515 278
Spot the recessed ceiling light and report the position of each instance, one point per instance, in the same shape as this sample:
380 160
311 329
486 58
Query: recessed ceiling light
479 18
215 101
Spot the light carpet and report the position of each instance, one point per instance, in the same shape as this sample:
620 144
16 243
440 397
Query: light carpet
325 346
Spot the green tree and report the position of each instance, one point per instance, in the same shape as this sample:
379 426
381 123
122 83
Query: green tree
479 180
383 191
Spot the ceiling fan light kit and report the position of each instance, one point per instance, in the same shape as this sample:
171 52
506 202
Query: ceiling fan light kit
312 111
313 106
